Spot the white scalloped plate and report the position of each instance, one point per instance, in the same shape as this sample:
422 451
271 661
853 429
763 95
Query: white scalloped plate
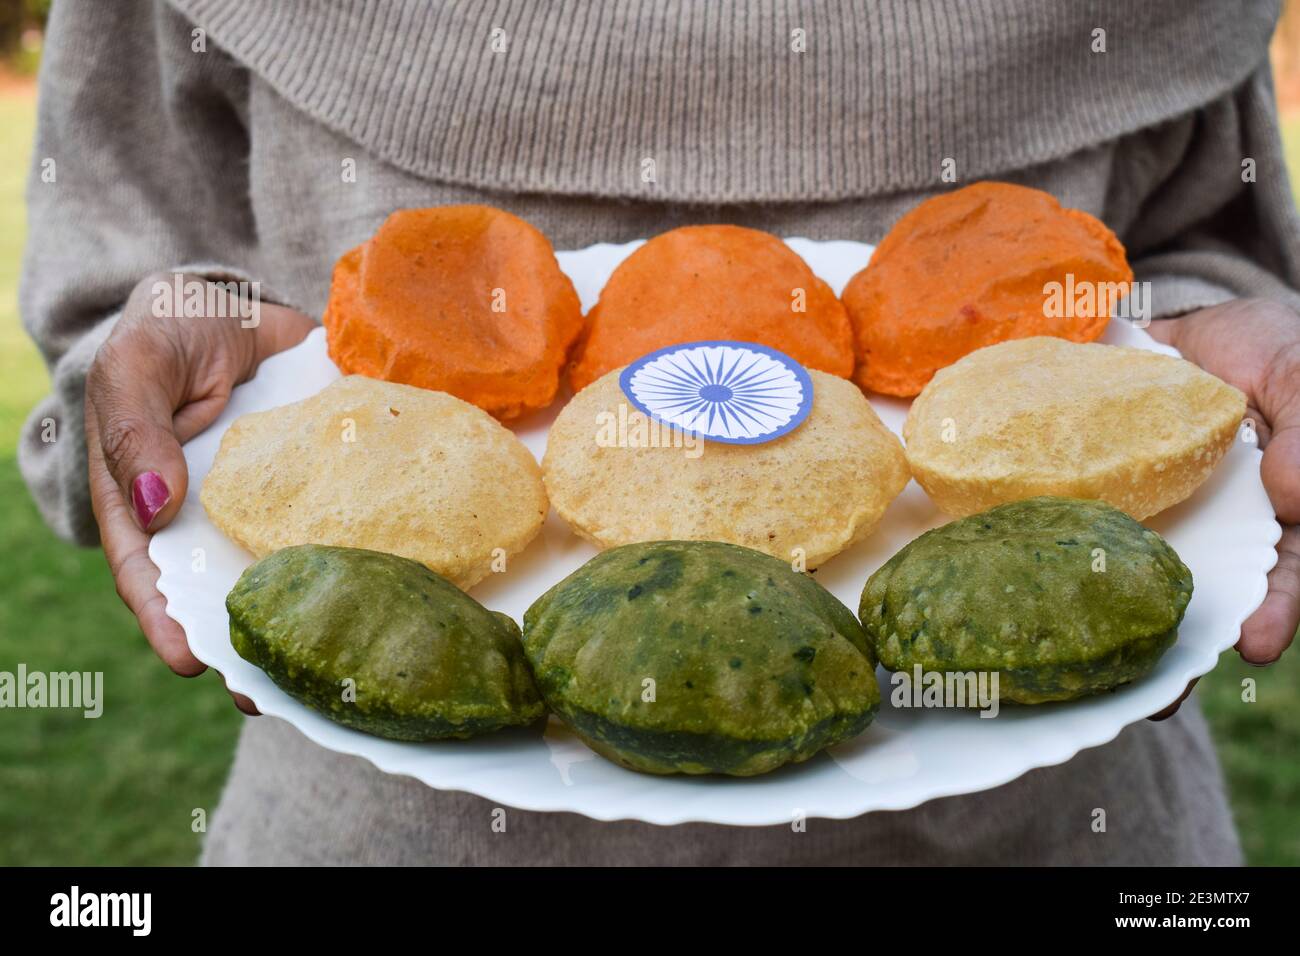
1225 533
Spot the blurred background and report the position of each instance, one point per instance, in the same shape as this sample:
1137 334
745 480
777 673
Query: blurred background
121 790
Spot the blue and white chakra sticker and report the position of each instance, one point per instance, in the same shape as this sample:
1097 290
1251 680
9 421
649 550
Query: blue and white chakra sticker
739 393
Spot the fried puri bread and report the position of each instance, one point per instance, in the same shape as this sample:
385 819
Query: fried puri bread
701 283
968 268
1043 416
385 467
462 299
618 477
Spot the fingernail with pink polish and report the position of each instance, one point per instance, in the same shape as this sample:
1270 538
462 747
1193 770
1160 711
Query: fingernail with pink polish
149 494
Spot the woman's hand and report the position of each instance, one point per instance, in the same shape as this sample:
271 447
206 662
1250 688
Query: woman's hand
155 383
1255 345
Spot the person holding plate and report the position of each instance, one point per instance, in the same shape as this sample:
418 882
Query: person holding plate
232 142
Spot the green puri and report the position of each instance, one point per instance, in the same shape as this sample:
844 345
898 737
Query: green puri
1061 597
700 657
381 644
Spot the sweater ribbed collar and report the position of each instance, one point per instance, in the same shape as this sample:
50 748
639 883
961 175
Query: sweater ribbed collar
685 100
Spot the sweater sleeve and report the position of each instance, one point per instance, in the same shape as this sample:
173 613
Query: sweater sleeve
140 165
1208 211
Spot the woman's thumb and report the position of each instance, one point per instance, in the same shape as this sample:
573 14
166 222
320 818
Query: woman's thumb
134 425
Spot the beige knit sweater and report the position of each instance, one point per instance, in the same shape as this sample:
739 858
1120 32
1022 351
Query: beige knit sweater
212 134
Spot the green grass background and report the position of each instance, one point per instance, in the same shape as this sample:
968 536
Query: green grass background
122 789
